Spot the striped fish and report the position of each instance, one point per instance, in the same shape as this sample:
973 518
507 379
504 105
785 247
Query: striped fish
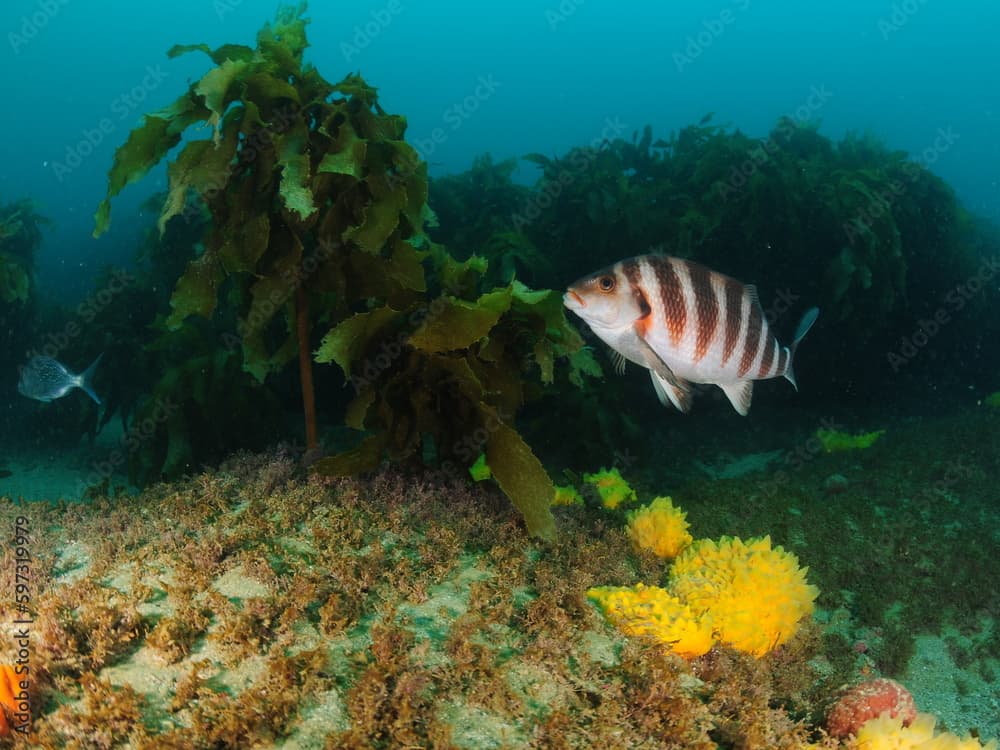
686 324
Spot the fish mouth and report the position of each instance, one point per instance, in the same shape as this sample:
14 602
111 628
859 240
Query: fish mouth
573 301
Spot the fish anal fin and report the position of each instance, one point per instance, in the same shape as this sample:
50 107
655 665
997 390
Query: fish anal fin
740 394
668 386
677 393
653 360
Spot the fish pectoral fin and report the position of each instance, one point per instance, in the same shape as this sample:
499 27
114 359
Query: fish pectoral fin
739 394
677 393
668 386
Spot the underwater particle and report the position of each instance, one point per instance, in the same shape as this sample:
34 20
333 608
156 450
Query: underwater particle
611 486
835 440
654 612
756 596
659 527
868 700
480 470
887 732
567 495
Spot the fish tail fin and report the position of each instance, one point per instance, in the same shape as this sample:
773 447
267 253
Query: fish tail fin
808 318
85 379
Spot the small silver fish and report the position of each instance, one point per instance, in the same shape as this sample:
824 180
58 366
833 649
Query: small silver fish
685 324
45 379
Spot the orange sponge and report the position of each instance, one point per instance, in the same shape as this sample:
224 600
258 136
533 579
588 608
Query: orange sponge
10 686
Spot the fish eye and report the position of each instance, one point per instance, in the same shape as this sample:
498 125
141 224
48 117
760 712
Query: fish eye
606 283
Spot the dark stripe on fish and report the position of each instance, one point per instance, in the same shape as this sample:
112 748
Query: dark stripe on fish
706 308
751 341
633 273
768 359
671 296
782 361
734 316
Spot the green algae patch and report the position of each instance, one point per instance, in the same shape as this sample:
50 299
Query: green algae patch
480 470
834 440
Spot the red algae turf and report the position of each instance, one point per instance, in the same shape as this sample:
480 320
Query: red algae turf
255 606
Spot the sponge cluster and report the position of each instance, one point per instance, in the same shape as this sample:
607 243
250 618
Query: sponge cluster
746 594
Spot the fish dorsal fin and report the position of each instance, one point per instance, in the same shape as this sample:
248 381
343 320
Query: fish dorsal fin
752 294
676 393
618 361
739 394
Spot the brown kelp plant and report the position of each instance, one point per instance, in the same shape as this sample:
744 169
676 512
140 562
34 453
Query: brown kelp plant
317 209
